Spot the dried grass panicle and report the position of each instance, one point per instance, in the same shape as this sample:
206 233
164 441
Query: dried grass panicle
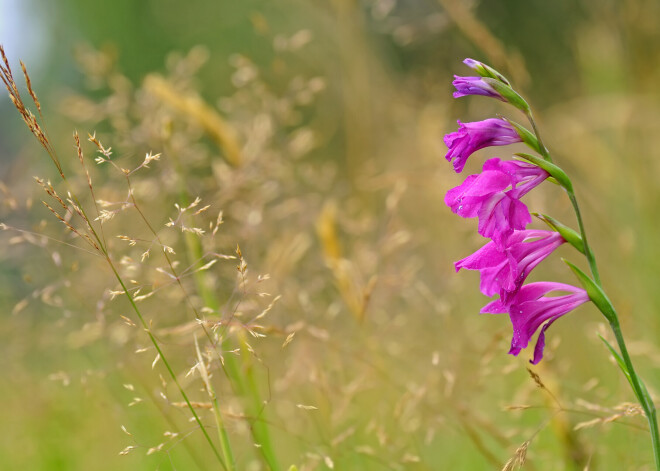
28 82
618 412
518 459
28 117
140 272
73 208
48 188
539 383
537 379
106 152
81 159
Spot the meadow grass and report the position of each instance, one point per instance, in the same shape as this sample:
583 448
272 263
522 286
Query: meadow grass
303 311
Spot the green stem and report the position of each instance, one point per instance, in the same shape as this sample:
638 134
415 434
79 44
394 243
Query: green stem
243 385
259 425
587 249
224 438
165 362
544 149
641 393
101 247
571 195
640 390
225 445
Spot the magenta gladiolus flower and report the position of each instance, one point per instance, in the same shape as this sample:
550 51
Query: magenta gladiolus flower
504 269
530 309
474 86
471 137
494 195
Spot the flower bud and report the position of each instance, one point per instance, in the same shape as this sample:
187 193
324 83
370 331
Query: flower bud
486 70
490 87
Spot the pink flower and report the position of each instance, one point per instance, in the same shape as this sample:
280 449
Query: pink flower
471 137
504 269
530 309
494 195
474 86
491 84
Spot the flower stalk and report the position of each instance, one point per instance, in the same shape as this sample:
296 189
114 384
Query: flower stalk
542 148
168 367
528 307
588 253
241 376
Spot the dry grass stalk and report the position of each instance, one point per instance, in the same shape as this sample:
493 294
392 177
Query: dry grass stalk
73 208
195 404
353 290
28 117
28 82
518 459
541 385
626 409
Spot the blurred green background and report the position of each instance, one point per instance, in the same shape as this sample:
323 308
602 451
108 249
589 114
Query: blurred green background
339 108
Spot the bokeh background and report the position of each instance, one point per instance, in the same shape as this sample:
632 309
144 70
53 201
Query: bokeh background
333 185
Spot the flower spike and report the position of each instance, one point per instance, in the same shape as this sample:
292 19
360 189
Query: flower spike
493 196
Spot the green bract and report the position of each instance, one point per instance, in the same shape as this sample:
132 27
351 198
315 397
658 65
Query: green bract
554 171
595 292
570 235
487 71
508 93
527 137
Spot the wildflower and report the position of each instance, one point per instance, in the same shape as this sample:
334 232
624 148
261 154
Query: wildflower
494 195
475 86
530 309
471 137
504 269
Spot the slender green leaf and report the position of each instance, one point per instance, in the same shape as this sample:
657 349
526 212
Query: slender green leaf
526 135
487 71
595 292
508 93
570 235
619 360
549 167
